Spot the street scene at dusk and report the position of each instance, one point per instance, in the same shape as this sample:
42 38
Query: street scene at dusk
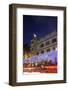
40 44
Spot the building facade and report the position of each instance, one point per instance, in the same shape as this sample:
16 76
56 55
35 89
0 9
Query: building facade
44 44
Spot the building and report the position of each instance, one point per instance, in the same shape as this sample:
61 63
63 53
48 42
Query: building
44 44
26 53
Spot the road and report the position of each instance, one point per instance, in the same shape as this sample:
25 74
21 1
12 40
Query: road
42 69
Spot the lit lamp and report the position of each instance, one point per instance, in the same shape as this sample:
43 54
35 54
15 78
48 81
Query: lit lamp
26 56
34 35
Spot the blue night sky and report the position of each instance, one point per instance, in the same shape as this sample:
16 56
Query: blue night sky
39 25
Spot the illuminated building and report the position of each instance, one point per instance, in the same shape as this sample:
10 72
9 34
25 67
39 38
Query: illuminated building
42 50
44 44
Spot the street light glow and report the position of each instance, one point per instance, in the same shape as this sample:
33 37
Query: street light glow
43 57
34 35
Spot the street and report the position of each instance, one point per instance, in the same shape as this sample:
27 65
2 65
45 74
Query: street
42 69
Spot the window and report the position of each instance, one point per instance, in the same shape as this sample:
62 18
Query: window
54 40
56 49
48 50
42 45
48 42
42 51
37 53
53 48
